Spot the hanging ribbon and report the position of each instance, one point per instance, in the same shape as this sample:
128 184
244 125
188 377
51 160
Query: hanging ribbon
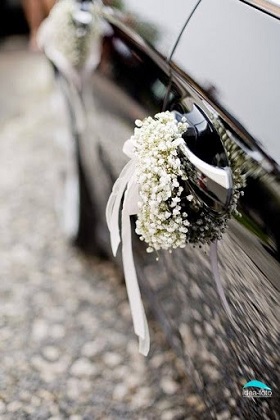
126 188
220 288
216 275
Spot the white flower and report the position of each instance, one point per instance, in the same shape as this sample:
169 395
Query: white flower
75 44
160 222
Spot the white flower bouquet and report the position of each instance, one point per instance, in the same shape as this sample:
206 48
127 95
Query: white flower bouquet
71 36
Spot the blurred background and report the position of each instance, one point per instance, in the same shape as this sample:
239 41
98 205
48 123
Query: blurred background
67 347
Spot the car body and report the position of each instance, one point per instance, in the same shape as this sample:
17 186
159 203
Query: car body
222 57
12 19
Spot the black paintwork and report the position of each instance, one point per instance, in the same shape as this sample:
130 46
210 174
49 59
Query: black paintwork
12 20
134 80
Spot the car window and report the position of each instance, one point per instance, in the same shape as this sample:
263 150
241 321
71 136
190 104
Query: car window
234 56
159 22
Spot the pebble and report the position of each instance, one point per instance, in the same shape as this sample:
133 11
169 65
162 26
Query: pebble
39 329
14 406
158 361
212 372
57 331
225 415
93 348
51 353
83 367
209 329
193 400
73 389
112 359
120 392
169 415
169 386
142 397
198 330
2 407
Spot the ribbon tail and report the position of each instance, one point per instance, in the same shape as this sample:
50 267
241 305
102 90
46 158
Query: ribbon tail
114 204
216 274
144 343
133 291
119 185
215 271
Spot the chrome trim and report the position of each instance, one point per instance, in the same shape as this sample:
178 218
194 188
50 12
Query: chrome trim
265 5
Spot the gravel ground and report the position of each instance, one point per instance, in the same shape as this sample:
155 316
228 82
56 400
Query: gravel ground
67 347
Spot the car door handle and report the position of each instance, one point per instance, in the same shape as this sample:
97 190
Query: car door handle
210 178
219 176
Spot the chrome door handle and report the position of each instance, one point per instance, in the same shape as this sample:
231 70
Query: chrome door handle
210 181
219 176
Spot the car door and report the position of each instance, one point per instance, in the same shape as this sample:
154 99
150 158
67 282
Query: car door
226 66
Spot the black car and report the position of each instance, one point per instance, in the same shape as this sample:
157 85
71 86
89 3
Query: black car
217 62
12 20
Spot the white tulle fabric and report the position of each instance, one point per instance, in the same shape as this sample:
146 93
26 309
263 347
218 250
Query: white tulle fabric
125 192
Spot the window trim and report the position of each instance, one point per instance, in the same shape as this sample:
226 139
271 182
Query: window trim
265 6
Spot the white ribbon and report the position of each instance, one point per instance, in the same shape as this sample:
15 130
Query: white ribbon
220 288
126 188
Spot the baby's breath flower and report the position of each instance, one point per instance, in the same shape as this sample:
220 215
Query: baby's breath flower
160 221
74 43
